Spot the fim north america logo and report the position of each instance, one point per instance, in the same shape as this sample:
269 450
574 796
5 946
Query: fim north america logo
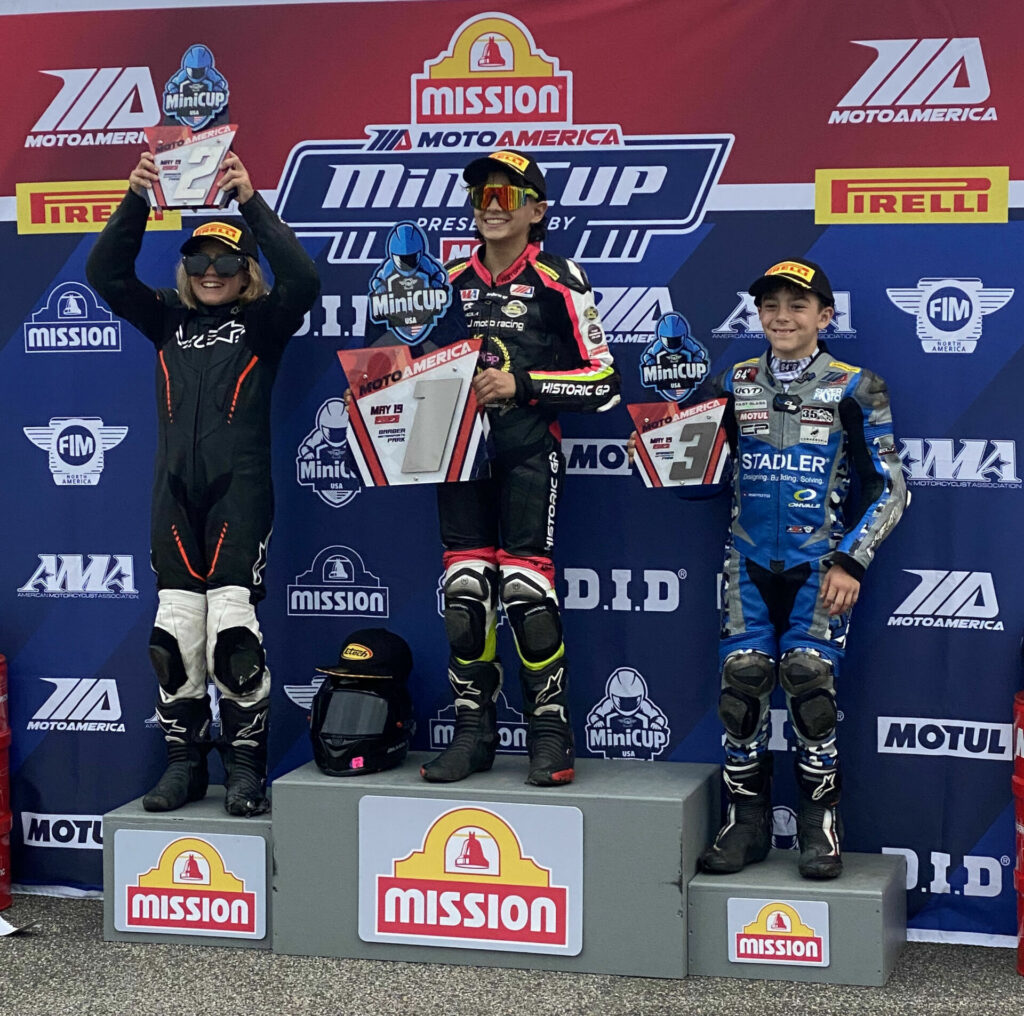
626 723
949 311
75 447
72 321
322 461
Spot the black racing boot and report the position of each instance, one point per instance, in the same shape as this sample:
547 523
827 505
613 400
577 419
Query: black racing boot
549 740
244 750
819 828
746 836
186 727
475 739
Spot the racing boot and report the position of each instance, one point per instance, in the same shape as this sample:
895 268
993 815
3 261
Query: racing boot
186 727
475 740
819 828
746 836
244 750
549 741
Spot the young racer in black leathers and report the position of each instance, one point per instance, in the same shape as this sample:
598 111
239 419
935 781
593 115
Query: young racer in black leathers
544 350
218 338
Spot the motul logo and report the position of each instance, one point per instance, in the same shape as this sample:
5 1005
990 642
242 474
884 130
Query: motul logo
949 599
941 77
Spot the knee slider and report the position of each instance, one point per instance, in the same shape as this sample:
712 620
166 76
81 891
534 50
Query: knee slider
533 614
749 673
165 655
470 608
238 660
740 714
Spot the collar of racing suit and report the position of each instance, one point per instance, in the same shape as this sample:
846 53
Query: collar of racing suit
513 270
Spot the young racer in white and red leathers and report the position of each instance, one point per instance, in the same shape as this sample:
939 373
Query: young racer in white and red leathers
544 350
219 338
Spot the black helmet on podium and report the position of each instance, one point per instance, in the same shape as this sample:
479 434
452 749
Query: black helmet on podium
362 719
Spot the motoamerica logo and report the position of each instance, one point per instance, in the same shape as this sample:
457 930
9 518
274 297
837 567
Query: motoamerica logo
80 704
93 576
949 599
626 723
494 87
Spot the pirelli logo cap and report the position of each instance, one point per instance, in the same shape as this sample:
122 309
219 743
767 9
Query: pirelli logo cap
799 272
233 233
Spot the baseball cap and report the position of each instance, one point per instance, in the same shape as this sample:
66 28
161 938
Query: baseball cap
233 233
507 161
798 271
372 652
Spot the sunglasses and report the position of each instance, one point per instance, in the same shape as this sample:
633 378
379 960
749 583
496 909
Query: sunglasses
225 265
510 198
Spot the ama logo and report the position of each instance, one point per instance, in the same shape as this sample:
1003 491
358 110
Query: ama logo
322 461
103 576
949 311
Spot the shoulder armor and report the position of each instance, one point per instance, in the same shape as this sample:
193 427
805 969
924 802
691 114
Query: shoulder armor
563 270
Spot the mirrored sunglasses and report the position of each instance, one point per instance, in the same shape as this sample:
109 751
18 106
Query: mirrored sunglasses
510 198
225 265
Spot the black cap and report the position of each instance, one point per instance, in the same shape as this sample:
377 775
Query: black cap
372 652
516 164
233 233
799 272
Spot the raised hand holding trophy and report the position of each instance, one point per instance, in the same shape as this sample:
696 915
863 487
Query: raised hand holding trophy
189 147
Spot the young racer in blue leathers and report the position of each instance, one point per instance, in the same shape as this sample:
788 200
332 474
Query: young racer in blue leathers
799 423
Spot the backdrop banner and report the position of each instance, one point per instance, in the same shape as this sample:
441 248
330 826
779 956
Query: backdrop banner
683 157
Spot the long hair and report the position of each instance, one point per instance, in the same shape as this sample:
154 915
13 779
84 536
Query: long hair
256 288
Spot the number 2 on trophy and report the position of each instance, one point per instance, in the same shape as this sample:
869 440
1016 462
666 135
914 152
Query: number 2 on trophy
203 162
438 399
696 441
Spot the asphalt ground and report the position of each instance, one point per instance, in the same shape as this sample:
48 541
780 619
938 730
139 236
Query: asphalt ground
63 966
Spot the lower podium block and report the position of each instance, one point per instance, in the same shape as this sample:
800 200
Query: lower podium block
196 875
767 922
491 872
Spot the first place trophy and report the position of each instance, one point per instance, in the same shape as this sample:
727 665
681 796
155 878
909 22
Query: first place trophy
190 145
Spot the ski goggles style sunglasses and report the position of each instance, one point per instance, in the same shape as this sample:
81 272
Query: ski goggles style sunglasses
225 265
510 198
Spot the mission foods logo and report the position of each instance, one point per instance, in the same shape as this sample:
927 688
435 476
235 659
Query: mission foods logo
929 194
794 933
470 877
493 87
79 206
212 886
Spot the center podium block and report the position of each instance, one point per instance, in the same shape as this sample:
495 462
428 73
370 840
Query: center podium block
591 877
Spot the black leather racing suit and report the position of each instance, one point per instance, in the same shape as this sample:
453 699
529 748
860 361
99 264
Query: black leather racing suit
213 502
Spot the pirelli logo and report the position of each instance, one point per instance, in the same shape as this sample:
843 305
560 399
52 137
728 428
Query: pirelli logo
930 194
79 206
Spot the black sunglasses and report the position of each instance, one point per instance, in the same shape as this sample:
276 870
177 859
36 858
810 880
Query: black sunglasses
225 265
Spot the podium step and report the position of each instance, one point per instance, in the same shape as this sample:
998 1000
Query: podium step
196 875
492 872
766 922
